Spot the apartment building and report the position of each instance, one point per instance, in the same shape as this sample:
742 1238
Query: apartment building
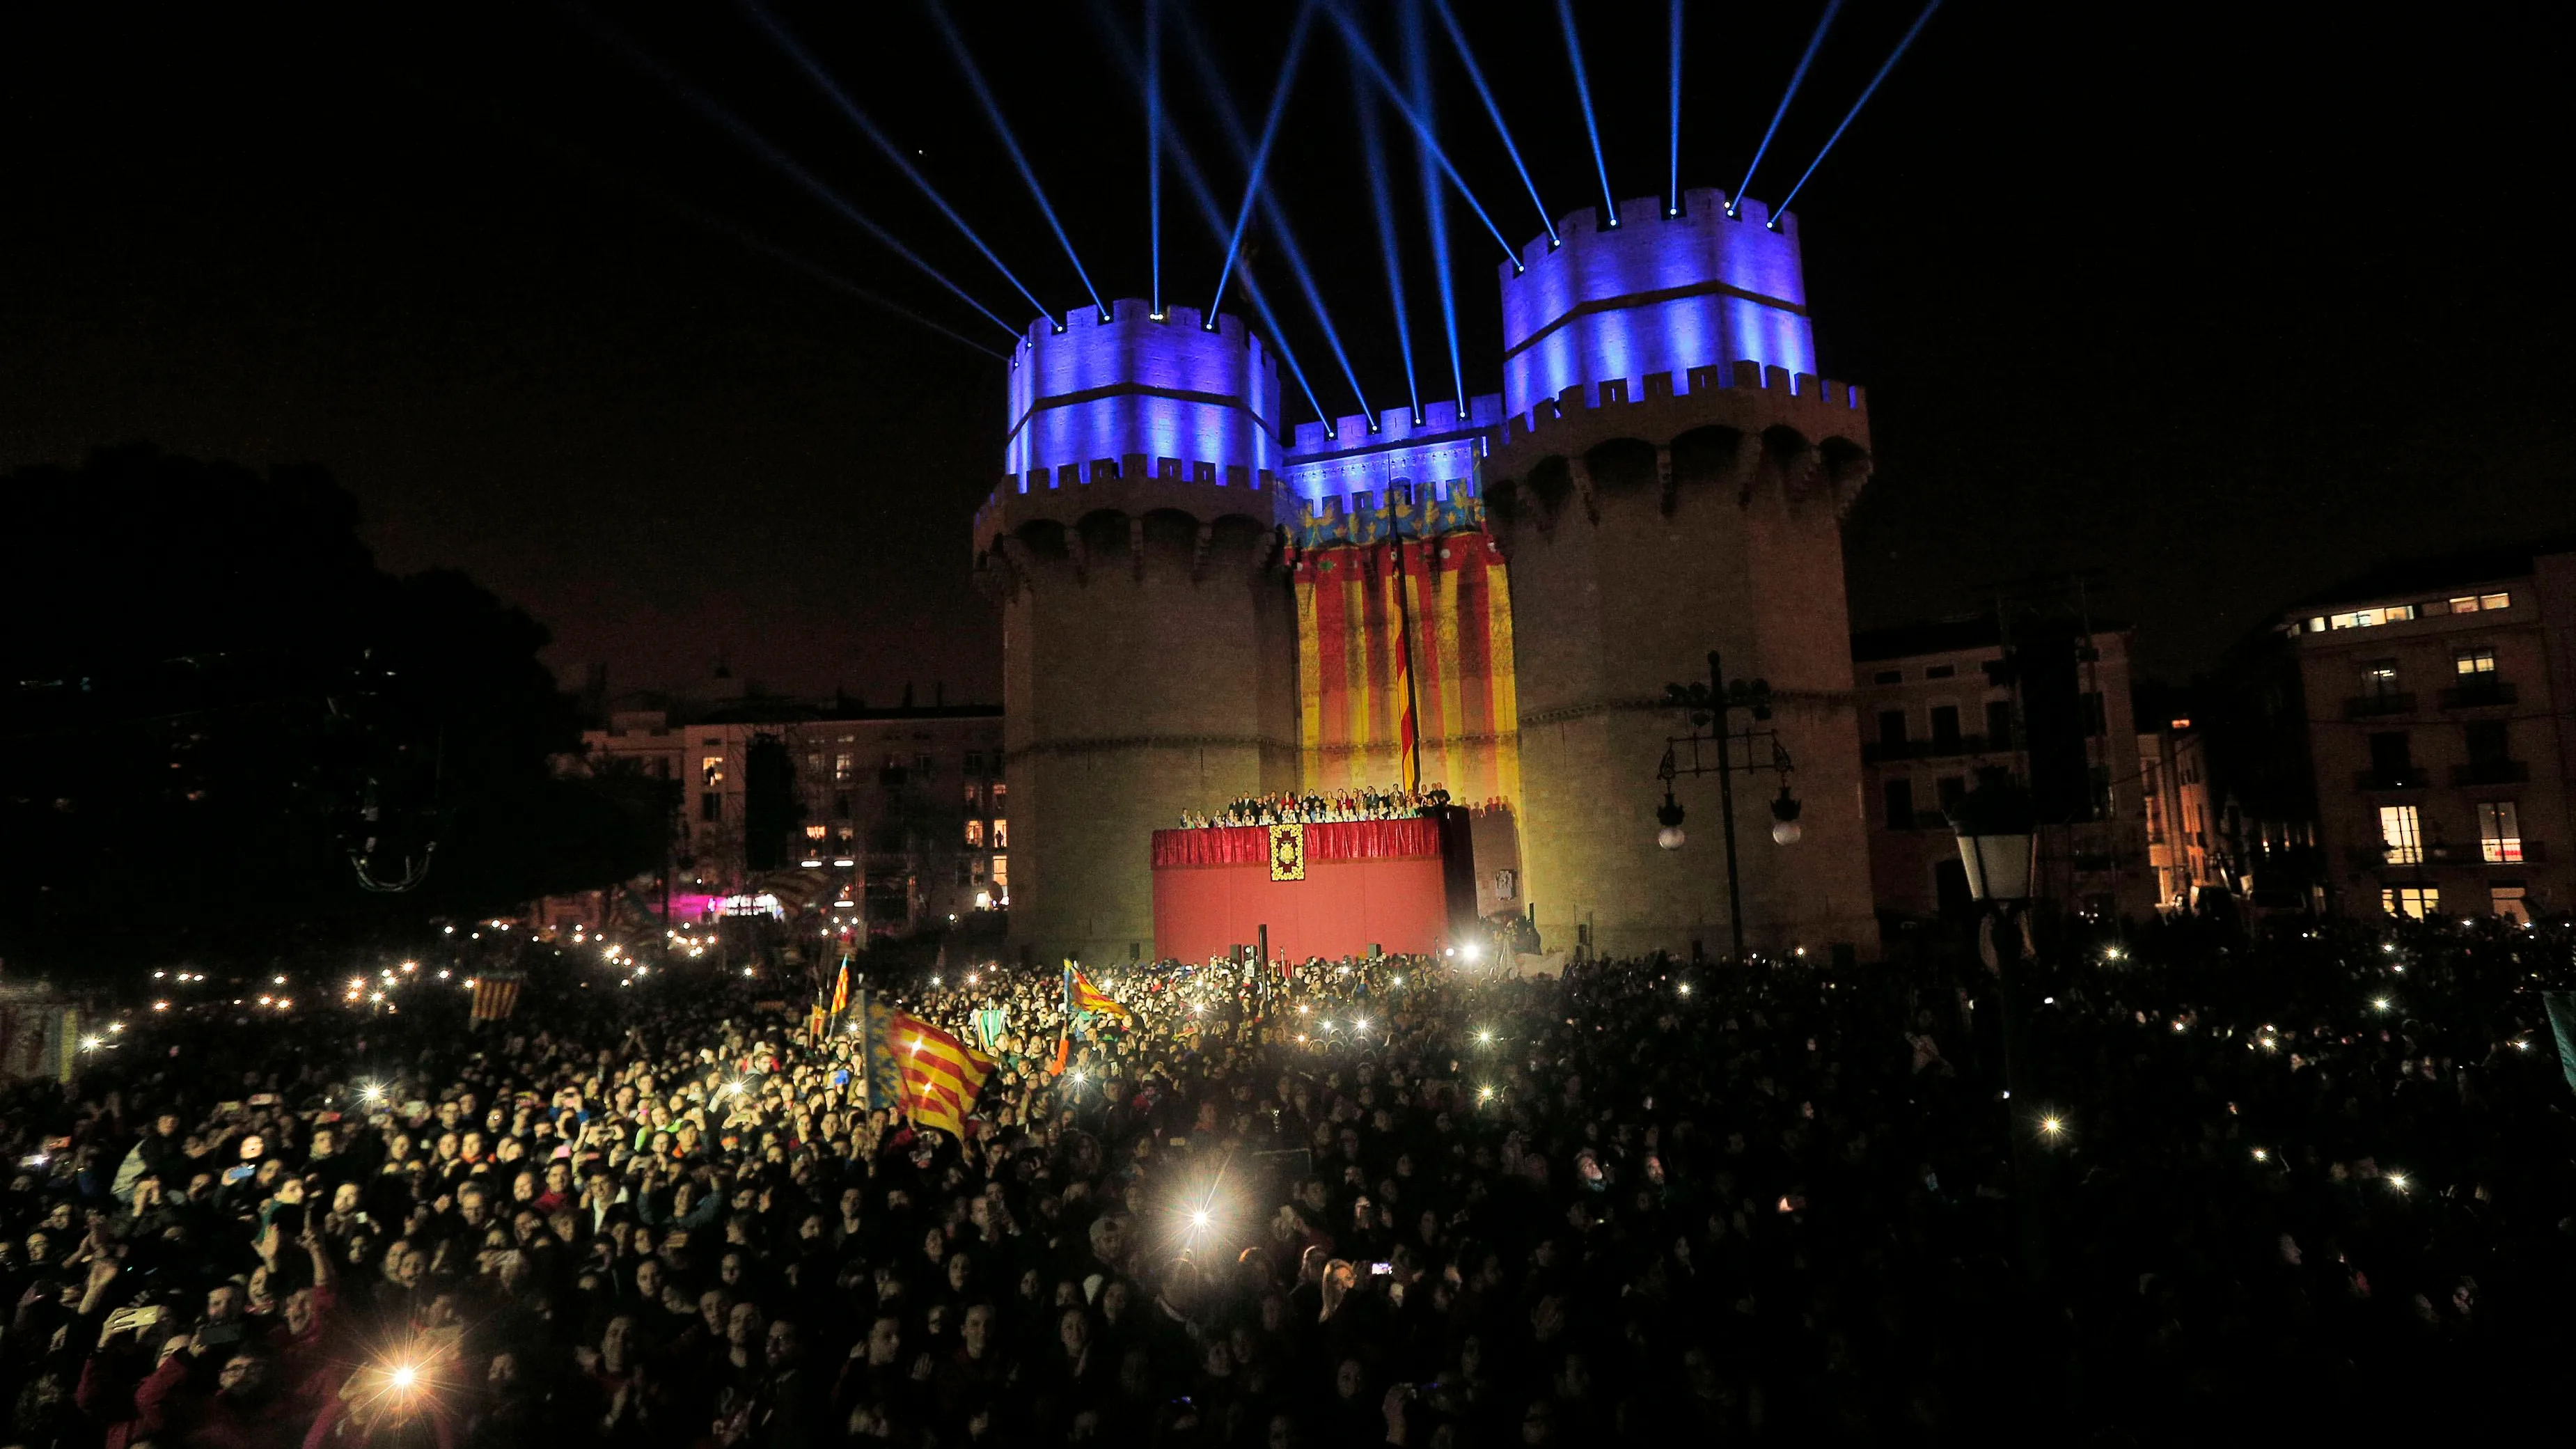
2433 719
1943 700
901 813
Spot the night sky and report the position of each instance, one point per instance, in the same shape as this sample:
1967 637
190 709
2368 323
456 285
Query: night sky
2209 303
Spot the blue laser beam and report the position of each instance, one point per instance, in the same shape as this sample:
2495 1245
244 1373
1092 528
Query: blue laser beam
1261 154
1417 74
1154 143
1195 182
779 161
1815 42
1493 109
822 79
1591 125
1893 57
1271 211
1673 109
1422 128
1373 149
1011 143
842 284
699 216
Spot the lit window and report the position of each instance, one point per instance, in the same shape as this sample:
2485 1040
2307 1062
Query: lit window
2508 902
712 767
2416 901
2372 618
2499 833
975 833
1001 834
2465 604
2474 661
2401 834
1000 793
841 765
2489 603
2379 678
1002 874
813 832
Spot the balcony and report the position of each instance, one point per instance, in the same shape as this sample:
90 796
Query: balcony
1938 747
2370 706
2478 693
2491 772
2409 778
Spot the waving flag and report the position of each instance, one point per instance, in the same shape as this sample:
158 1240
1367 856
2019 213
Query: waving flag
939 1074
1081 995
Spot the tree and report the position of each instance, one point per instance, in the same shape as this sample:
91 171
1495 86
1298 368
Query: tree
228 733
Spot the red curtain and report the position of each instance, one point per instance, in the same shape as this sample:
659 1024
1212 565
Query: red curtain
1339 840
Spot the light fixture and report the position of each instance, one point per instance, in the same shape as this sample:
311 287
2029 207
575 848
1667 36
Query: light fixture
1669 815
1995 823
1785 829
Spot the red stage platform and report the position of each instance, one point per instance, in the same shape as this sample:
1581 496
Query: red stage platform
1323 890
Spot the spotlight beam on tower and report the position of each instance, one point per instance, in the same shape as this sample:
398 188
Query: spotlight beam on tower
1591 124
1417 74
1815 42
822 79
1673 109
1271 211
1261 154
1381 197
1422 130
1893 57
1011 143
1493 109
1195 182
1154 144
779 161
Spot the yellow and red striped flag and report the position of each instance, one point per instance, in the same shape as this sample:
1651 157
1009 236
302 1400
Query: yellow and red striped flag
496 995
1081 995
941 1074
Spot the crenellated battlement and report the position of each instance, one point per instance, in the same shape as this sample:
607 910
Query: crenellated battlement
1128 313
1703 215
1137 384
1803 393
1660 292
1393 428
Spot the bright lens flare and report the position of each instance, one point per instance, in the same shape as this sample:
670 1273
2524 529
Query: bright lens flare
2379 1003
2051 1126
1199 1219
405 1376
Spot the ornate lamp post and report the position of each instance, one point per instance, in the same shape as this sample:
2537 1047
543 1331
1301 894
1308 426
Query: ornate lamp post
1711 708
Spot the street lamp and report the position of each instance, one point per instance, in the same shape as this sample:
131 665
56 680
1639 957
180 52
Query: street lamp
1996 824
1711 709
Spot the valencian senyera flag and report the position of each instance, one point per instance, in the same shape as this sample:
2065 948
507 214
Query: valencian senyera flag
496 995
1405 665
1081 996
841 991
935 1075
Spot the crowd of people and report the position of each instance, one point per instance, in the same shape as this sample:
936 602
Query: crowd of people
2307 1186
1393 802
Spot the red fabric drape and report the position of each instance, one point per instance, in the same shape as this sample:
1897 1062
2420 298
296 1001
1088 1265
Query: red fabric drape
1338 840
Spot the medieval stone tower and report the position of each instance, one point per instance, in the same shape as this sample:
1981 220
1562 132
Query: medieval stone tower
1149 651
1671 479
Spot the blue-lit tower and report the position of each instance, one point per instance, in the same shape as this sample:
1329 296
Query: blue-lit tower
1148 647
1671 479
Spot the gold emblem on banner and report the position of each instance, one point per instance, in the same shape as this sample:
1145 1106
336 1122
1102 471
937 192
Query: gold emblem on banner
1287 852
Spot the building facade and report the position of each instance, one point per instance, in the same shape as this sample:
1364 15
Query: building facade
903 814
2434 705
1487 596
2188 843
1940 702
